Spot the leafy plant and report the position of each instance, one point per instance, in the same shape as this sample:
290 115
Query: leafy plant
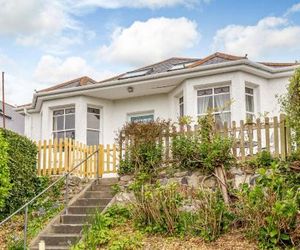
268 211
290 104
22 167
5 185
144 150
127 242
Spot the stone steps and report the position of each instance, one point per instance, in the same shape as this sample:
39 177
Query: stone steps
67 230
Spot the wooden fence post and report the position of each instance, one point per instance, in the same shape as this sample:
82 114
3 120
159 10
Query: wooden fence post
283 146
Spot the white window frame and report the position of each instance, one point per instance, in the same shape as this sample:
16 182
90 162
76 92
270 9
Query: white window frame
249 113
131 115
93 129
181 105
64 130
213 95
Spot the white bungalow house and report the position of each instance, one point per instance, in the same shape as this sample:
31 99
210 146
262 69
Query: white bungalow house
92 112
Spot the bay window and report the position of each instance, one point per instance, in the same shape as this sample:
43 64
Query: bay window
249 95
142 117
93 126
217 101
64 123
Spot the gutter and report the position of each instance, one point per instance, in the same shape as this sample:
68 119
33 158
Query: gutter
267 71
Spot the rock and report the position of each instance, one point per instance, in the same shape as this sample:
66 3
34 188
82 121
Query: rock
241 179
184 181
193 180
210 182
124 197
163 181
236 171
162 174
181 174
253 178
126 178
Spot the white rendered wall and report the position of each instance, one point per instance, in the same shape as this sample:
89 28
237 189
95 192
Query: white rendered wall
115 113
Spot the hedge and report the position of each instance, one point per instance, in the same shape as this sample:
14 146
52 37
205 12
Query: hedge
5 184
22 169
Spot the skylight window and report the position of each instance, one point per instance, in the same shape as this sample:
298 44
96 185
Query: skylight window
181 65
135 73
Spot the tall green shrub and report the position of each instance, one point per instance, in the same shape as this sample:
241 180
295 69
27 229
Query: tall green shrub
22 168
290 104
5 185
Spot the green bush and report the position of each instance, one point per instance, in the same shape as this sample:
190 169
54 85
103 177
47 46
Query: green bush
268 211
186 151
5 185
144 152
22 167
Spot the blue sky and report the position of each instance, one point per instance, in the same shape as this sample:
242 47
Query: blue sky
46 42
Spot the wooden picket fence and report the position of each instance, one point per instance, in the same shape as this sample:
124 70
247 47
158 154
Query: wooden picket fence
56 157
249 138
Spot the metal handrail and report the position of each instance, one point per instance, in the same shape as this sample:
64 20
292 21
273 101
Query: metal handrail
66 175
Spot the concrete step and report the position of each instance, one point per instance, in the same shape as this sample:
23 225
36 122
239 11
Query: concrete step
85 209
67 228
60 239
108 181
98 194
74 219
99 187
92 202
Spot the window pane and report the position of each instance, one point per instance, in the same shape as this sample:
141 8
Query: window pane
58 112
205 103
93 121
181 110
70 122
92 137
221 90
58 135
93 110
249 103
249 91
142 118
221 118
70 134
204 92
180 100
70 111
58 123
222 102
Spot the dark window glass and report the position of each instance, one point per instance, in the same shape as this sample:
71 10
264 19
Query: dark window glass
142 118
92 137
221 90
94 111
58 112
58 123
70 111
70 134
249 103
204 92
249 91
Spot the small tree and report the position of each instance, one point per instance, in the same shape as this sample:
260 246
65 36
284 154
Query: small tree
290 104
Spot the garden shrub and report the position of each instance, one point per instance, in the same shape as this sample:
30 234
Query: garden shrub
290 105
260 160
157 208
268 211
144 152
22 167
5 185
212 216
204 149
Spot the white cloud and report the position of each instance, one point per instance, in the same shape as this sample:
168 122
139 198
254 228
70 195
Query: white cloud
293 9
150 41
270 36
54 70
50 70
152 4
32 16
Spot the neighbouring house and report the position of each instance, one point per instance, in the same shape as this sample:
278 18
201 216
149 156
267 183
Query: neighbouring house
13 120
92 112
